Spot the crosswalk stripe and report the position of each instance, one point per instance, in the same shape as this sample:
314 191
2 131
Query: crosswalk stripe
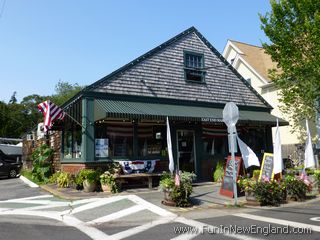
141 228
27 198
278 221
95 204
151 207
117 215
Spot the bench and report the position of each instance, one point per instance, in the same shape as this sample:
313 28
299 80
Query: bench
149 176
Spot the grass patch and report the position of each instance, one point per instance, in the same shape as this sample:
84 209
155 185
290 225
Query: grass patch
28 174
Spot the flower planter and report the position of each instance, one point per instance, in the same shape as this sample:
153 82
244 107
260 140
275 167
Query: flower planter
167 198
89 186
106 188
251 199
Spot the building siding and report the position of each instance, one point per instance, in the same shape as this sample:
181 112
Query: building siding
162 75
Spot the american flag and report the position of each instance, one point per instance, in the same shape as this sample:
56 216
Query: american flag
51 112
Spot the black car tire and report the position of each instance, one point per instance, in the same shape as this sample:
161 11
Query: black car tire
12 173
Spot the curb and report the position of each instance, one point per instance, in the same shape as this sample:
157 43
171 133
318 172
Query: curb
28 182
60 194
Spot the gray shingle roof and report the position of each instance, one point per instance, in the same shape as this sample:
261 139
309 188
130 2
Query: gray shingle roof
160 73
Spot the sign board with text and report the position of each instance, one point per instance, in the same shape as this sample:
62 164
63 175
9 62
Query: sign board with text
266 171
227 182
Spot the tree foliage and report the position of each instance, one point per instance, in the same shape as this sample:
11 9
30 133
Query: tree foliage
293 29
19 118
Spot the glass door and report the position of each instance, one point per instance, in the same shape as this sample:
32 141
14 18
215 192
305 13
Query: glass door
186 150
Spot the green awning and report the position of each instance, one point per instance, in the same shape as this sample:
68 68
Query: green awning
127 109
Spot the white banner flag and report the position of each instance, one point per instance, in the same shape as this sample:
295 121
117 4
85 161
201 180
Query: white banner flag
308 153
248 156
169 144
277 155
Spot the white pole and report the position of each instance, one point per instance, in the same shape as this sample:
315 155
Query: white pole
233 159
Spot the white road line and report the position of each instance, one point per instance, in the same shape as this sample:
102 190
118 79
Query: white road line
92 232
68 220
151 207
28 182
41 202
53 205
27 198
4 209
98 203
139 229
278 221
117 215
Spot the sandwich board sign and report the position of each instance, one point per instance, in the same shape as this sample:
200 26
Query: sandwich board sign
266 171
226 188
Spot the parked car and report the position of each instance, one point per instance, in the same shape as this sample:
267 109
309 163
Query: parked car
9 167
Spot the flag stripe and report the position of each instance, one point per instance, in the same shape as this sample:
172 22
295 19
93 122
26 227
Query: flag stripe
51 112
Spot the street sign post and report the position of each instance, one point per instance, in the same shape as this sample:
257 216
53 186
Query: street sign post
230 117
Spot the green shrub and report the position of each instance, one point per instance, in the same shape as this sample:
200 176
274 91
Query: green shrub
65 180
269 193
317 175
87 174
53 178
179 194
296 188
218 172
256 174
41 165
247 184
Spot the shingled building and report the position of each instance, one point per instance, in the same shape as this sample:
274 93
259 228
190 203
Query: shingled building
123 115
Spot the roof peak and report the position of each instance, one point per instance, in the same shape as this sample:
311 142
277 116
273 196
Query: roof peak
248 44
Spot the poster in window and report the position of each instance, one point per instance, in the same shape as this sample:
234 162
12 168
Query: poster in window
102 147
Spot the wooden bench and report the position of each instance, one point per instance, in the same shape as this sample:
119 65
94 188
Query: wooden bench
149 176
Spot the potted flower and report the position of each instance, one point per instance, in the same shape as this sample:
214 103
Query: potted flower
108 182
247 185
88 178
177 194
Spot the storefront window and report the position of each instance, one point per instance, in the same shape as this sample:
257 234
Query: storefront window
114 140
214 141
72 142
152 140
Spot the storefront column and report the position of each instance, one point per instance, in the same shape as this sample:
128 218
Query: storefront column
87 147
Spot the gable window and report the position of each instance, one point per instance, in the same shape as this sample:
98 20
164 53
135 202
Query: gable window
194 67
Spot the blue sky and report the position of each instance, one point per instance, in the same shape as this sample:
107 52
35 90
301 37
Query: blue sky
81 41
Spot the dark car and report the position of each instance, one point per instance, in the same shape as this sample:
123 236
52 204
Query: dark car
9 167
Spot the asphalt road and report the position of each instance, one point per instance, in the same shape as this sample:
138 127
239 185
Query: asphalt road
15 188
28 214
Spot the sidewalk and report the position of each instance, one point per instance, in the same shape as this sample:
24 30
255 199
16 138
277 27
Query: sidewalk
205 195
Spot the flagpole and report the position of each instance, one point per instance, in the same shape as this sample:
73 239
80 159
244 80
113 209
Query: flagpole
74 120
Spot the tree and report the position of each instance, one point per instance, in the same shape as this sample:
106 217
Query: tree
64 91
13 98
293 29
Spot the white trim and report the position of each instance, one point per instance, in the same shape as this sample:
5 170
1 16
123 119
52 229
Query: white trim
227 47
271 84
236 60
28 182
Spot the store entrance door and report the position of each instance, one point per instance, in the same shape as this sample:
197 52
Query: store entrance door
186 150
